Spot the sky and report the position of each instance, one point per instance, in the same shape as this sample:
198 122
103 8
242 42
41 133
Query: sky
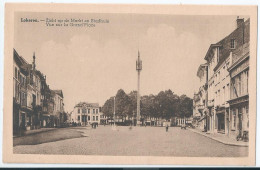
92 63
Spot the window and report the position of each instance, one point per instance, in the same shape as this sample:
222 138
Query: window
227 93
88 111
224 95
78 110
78 118
227 64
93 110
88 117
247 114
234 119
15 73
84 110
219 97
216 95
239 85
97 111
232 43
19 76
96 118
93 118
247 82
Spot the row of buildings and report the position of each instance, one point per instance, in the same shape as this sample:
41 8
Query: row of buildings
221 104
35 105
85 114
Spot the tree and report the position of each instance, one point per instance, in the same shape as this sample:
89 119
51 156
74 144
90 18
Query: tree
108 107
167 104
186 105
123 104
133 103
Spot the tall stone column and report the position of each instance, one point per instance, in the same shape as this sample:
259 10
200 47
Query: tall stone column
138 69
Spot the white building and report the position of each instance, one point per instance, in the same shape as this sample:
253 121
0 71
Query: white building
86 113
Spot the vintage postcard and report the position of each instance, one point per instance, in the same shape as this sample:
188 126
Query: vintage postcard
130 84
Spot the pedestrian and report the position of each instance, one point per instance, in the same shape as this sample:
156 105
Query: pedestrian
167 128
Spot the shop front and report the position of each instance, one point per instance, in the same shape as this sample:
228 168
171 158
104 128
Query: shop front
220 120
239 111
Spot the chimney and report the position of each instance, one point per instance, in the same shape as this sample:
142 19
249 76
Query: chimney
240 21
34 65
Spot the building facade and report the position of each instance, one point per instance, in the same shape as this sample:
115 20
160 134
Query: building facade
200 117
226 107
86 113
239 73
58 111
103 119
33 105
27 95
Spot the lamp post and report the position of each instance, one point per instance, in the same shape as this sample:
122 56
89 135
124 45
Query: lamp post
85 116
114 110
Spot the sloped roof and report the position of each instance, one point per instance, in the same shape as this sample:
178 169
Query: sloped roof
59 92
224 45
80 104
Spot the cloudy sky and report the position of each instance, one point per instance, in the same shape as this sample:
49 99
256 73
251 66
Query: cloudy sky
91 64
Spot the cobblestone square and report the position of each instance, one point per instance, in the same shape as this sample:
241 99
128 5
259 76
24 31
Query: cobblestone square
138 141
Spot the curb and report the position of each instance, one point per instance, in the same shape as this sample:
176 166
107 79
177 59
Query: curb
218 140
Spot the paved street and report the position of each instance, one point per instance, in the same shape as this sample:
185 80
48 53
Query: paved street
140 141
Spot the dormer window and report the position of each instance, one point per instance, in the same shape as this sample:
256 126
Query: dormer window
232 44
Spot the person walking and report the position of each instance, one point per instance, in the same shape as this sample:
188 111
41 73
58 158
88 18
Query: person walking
167 127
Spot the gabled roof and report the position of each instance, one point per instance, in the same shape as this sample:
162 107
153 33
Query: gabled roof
210 48
21 62
225 42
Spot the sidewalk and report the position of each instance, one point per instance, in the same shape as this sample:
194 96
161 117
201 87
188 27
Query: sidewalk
220 138
35 131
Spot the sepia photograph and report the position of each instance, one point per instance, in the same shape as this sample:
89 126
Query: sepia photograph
132 84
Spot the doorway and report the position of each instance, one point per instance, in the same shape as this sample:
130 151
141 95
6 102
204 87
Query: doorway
221 122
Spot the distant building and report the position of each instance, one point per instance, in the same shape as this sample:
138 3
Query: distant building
200 116
86 113
58 107
103 118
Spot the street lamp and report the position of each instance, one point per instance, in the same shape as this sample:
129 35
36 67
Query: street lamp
114 110
85 116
